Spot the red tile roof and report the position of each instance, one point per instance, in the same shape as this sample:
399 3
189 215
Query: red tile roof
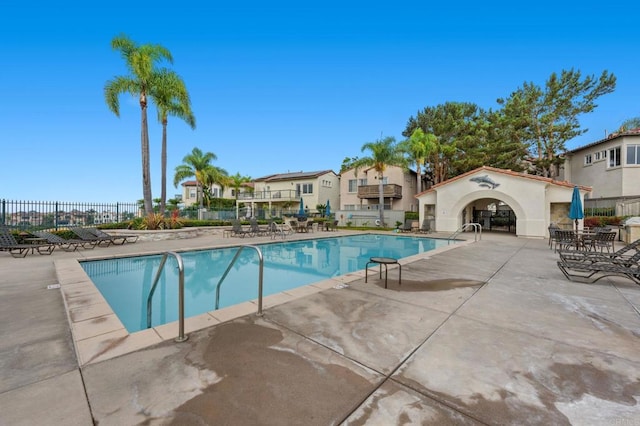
508 173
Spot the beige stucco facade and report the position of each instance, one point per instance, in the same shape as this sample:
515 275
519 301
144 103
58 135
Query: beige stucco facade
610 166
399 193
286 190
535 201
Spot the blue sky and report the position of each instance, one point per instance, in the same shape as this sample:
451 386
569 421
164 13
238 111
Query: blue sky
278 86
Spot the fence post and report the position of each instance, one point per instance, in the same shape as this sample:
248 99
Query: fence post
4 211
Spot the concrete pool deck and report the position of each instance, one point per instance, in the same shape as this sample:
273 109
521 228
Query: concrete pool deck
490 332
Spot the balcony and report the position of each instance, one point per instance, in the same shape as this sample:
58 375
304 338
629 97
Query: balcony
274 196
373 191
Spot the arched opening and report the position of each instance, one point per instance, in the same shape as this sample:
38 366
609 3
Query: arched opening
493 215
495 211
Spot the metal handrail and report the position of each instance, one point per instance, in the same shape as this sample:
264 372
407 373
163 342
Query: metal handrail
260 275
477 230
181 337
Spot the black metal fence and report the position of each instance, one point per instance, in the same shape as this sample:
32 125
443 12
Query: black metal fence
33 215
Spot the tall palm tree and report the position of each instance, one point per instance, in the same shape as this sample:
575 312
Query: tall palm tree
171 98
195 165
419 147
384 153
236 182
140 60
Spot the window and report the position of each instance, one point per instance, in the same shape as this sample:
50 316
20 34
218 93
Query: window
614 157
349 207
305 188
192 193
633 154
353 185
362 182
587 159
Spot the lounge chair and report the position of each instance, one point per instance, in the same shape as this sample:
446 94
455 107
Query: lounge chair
238 231
8 243
256 229
593 271
64 244
84 235
621 254
425 228
116 239
407 227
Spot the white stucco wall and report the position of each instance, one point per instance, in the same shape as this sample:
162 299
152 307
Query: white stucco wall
529 199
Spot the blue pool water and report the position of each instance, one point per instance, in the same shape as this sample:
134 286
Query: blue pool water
125 282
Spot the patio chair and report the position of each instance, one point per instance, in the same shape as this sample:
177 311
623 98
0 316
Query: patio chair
8 243
84 235
552 235
604 240
332 226
117 239
63 243
623 254
593 271
238 231
565 240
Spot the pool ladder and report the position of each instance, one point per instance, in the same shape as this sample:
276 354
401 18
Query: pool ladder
260 275
181 337
477 230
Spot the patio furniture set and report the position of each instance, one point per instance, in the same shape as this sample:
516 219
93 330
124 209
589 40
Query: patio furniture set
274 229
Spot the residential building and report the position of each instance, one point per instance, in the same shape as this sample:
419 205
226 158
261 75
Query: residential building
192 192
361 191
610 166
280 194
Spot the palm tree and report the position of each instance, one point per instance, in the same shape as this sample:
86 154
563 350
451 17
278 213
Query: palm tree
236 182
140 60
384 153
419 147
171 97
195 165
213 175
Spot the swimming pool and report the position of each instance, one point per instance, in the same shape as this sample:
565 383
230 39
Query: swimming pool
125 282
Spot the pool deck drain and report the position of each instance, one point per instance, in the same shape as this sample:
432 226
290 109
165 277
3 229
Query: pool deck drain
487 333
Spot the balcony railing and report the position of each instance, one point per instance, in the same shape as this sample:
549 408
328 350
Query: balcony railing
276 196
373 191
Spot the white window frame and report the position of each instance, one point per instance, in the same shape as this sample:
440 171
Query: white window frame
614 157
636 155
588 159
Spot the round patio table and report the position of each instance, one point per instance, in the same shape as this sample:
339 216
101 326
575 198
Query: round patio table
386 261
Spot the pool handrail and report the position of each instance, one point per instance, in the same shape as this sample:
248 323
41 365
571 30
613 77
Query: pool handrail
181 337
477 229
260 275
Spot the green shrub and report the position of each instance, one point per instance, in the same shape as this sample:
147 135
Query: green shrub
411 216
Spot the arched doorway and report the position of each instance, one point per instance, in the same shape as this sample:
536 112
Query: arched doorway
494 210
493 215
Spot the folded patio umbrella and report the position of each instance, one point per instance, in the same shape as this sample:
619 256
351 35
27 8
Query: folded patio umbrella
575 209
